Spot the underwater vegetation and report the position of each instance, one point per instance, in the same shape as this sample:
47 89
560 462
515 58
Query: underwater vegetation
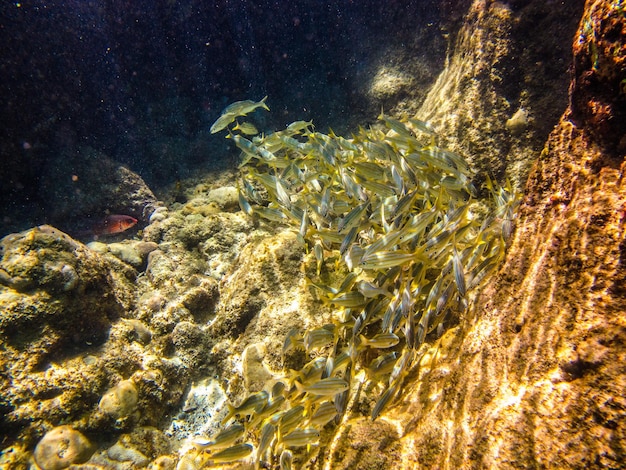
399 241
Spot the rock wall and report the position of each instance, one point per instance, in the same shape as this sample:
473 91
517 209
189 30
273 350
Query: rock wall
505 84
534 377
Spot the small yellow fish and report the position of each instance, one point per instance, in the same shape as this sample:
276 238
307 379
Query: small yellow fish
246 128
459 274
227 436
319 337
384 400
234 110
301 437
286 458
386 259
253 404
325 412
244 204
222 122
233 453
380 341
324 387
244 145
241 108
382 365
297 126
273 406
311 372
290 419
268 432
349 299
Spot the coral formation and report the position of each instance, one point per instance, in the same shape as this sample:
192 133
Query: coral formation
89 185
598 89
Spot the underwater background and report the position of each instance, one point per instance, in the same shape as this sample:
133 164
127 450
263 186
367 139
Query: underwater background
352 234
142 82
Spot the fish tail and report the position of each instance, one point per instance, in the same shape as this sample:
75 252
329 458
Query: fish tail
231 412
263 105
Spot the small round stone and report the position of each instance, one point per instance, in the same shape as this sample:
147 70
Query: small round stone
120 401
61 447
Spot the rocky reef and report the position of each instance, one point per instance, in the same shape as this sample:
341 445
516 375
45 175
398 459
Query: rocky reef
535 378
126 353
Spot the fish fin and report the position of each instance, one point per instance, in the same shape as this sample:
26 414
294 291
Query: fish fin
263 105
231 413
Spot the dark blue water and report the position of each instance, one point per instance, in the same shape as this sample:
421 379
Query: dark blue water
141 81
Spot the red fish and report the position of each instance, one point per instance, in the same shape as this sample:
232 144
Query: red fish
113 223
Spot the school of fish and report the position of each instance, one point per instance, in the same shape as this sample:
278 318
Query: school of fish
399 213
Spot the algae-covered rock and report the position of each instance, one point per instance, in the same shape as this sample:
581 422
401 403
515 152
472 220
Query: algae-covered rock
192 344
127 253
55 285
64 348
163 462
255 374
62 447
132 252
201 300
599 82
267 271
121 453
517 123
226 197
135 449
390 82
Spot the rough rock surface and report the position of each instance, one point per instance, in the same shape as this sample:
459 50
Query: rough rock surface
66 340
88 186
535 376
108 337
509 60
